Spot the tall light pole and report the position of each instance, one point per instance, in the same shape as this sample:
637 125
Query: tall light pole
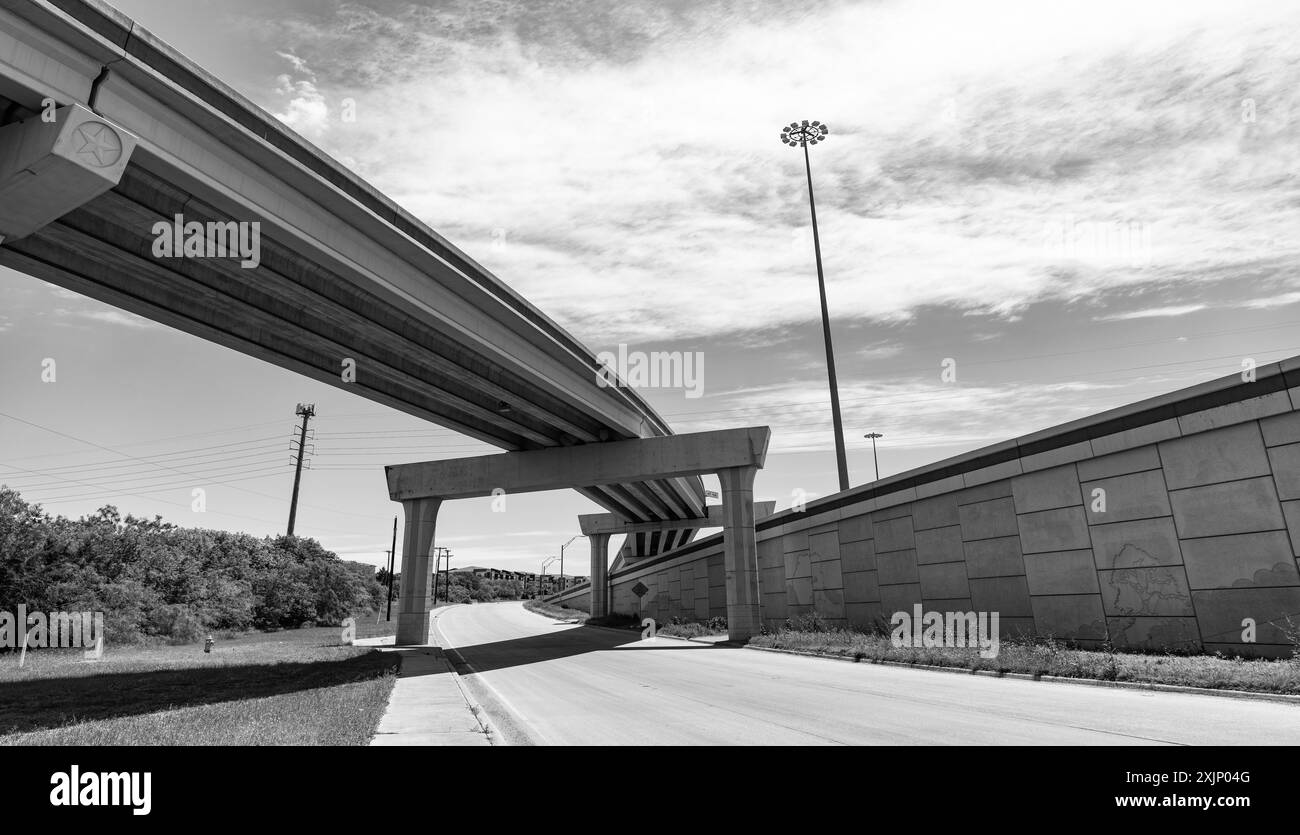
803 134
873 436
563 582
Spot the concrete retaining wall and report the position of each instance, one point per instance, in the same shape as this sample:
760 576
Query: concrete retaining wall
1199 530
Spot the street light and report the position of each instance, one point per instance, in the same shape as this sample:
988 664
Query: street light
541 580
802 134
873 436
564 583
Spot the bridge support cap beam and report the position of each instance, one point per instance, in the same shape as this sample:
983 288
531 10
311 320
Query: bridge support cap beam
585 465
49 168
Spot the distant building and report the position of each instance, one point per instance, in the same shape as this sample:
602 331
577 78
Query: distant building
550 583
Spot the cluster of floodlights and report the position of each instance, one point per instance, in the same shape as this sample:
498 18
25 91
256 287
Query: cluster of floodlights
807 133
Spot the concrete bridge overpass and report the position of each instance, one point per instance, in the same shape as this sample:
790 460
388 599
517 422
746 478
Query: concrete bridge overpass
343 273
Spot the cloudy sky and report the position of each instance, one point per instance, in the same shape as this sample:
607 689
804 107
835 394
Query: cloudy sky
1080 204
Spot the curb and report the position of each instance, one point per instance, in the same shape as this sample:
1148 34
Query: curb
493 735
697 640
430 659
624 632
455 659
633 631
1248 695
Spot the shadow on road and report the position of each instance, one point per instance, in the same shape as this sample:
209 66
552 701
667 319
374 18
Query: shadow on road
564 643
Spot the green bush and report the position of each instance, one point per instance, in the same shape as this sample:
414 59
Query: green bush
175 622
155 581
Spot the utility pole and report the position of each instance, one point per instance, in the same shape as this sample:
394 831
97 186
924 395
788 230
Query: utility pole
308 411
437 561
391 557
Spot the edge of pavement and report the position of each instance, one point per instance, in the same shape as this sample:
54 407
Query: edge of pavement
503 724
1222 693
1250 695
429 702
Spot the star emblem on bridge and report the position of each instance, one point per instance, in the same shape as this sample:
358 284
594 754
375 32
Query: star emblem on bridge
97 144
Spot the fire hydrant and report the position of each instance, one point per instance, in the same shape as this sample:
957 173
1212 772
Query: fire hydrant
207 645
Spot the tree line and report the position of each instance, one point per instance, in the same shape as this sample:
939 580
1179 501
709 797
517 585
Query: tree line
465 587
158 582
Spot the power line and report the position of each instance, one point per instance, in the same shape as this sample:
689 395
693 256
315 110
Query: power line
110 471
176 504
156 440
158 488
172 469
188 507
213 468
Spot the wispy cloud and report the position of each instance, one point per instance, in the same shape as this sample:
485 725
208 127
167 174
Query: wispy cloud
108 317
912 413
1152 313
118 317
604 163
1280 300
880 350
305 109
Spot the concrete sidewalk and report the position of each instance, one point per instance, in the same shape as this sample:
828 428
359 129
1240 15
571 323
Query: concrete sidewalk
428 705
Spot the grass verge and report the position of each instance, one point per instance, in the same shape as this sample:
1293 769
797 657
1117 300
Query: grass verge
550 610
1048 657
299 687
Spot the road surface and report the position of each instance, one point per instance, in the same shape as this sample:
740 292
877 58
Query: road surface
549 683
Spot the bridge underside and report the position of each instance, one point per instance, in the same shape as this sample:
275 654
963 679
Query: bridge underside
309 307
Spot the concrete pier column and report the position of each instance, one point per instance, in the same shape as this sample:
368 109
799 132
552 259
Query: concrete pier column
740 552
599 574
417 571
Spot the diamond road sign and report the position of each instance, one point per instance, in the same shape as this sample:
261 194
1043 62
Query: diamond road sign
640 589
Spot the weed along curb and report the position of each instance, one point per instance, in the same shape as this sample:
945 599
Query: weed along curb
1285 698
695 640
494 736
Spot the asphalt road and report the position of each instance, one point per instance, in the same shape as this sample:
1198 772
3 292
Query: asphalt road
548 683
